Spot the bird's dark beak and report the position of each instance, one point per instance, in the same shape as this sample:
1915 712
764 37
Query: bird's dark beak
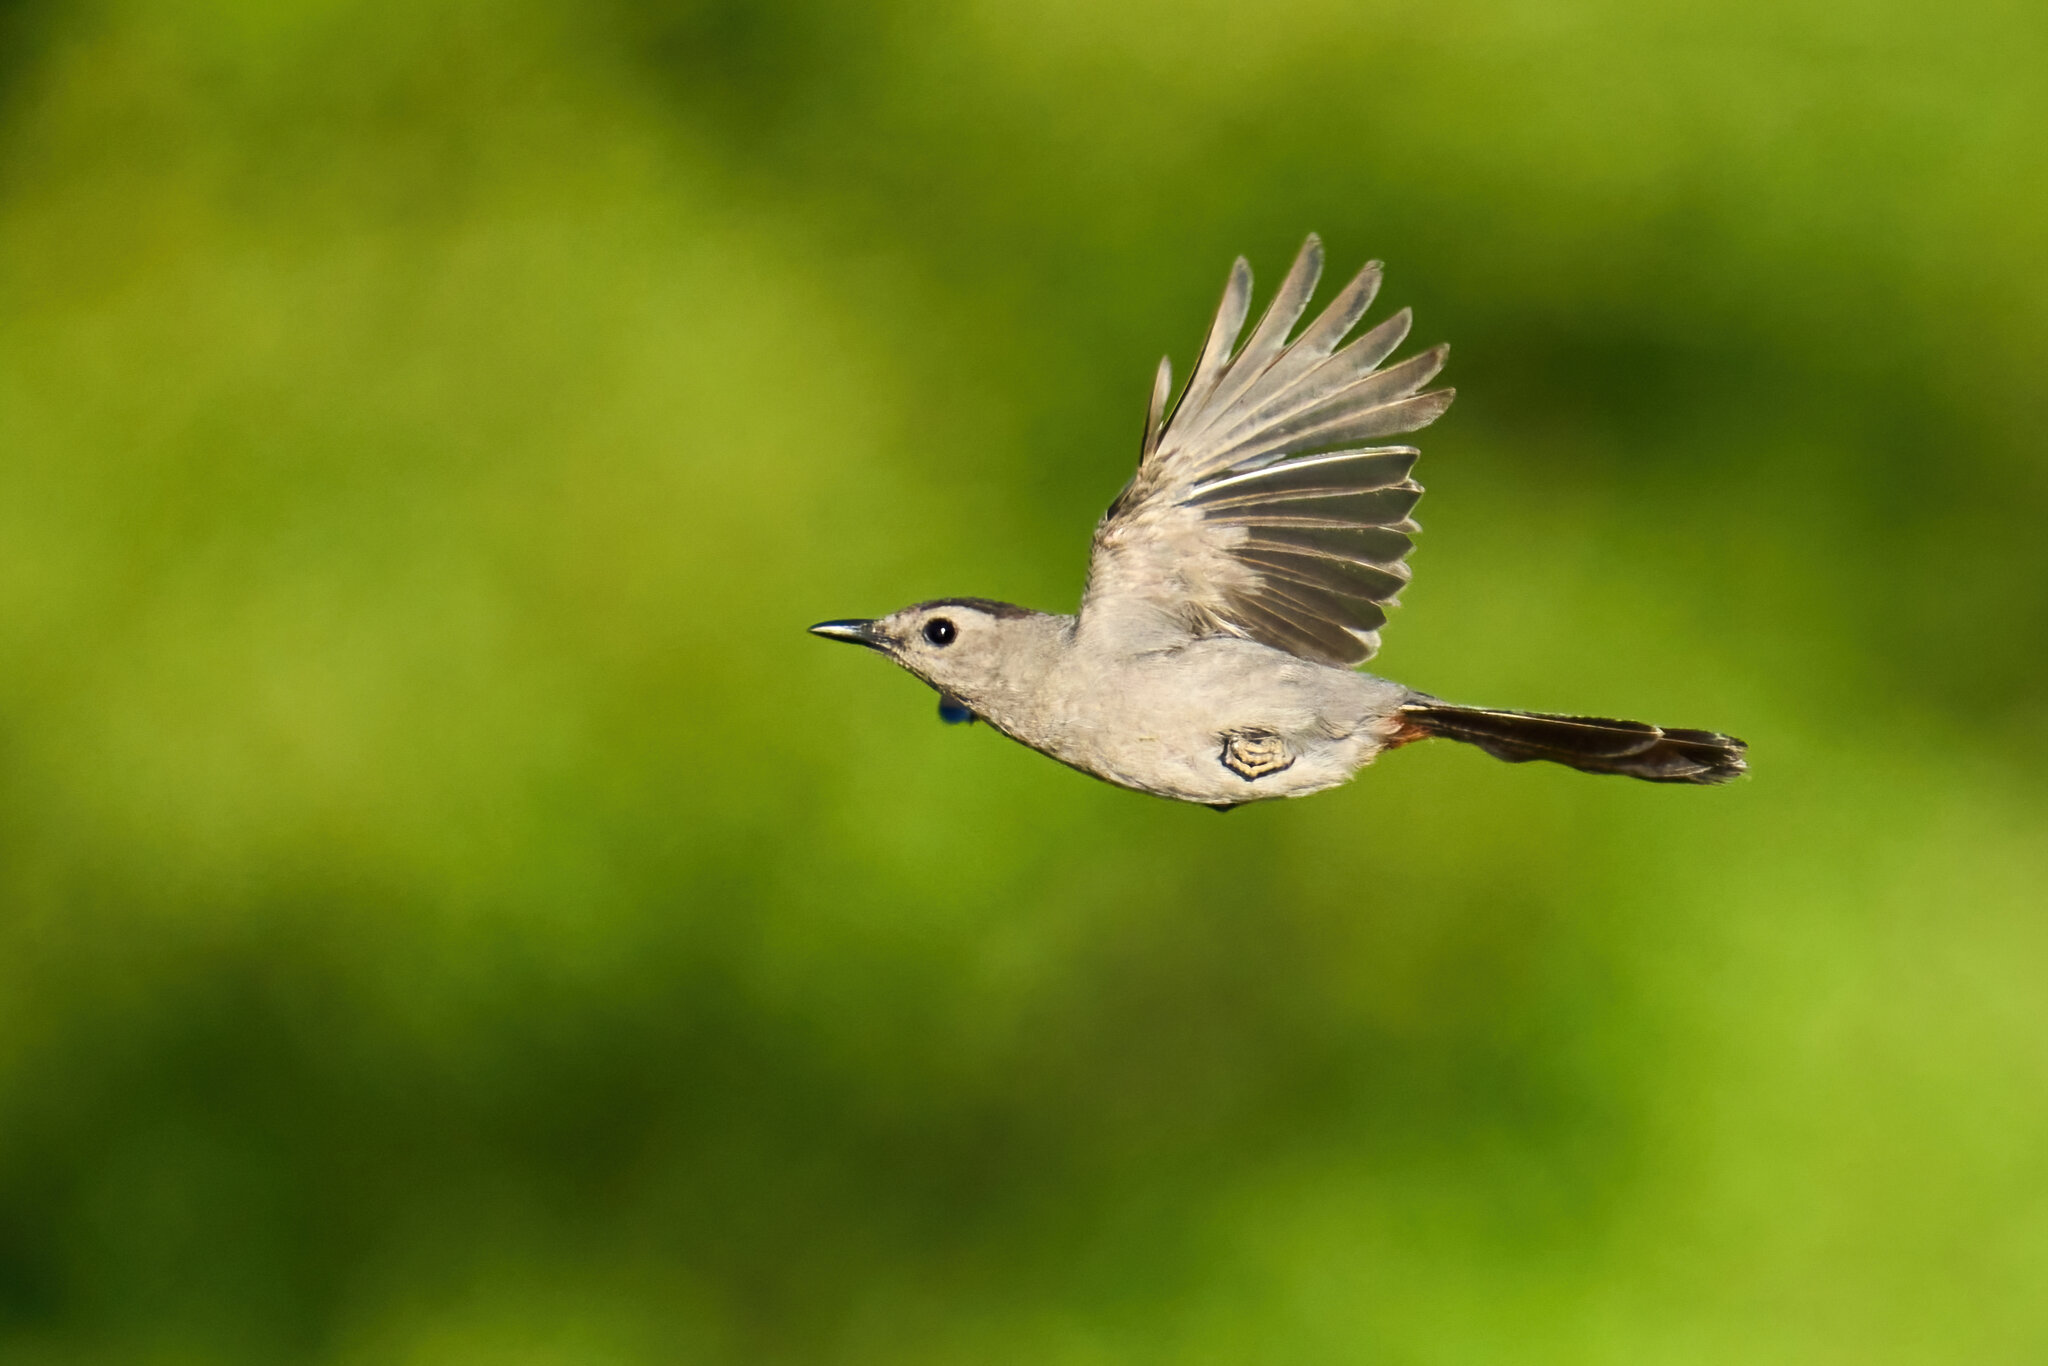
853 632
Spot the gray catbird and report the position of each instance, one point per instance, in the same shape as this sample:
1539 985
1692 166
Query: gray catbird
1241 573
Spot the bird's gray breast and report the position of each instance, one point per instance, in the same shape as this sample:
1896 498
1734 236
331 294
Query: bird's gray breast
1218 721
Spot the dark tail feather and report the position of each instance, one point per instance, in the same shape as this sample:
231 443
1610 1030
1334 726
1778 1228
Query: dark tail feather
1586 743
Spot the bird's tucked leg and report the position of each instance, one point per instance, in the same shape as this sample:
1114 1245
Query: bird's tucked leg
1252 754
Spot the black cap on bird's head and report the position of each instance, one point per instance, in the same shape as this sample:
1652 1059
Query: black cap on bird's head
938 626
958 645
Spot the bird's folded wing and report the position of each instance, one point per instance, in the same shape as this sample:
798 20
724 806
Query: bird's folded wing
1257 510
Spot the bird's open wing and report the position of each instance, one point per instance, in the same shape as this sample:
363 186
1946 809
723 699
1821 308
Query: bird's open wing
1256 510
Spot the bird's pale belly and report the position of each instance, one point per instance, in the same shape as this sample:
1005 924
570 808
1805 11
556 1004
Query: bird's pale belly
1226 728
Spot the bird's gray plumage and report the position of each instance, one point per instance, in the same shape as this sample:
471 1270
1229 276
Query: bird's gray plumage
1242 572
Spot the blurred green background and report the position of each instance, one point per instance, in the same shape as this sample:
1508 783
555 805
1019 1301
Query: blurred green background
450 912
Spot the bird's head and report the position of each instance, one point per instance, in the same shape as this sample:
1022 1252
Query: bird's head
969 648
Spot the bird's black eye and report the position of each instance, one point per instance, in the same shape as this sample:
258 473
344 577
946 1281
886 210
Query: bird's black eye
940 631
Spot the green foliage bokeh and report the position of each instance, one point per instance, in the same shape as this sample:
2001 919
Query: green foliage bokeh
450 912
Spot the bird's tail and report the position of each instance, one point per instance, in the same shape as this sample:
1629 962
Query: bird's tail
1586 743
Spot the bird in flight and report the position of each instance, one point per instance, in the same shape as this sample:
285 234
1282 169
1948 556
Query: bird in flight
1239 579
